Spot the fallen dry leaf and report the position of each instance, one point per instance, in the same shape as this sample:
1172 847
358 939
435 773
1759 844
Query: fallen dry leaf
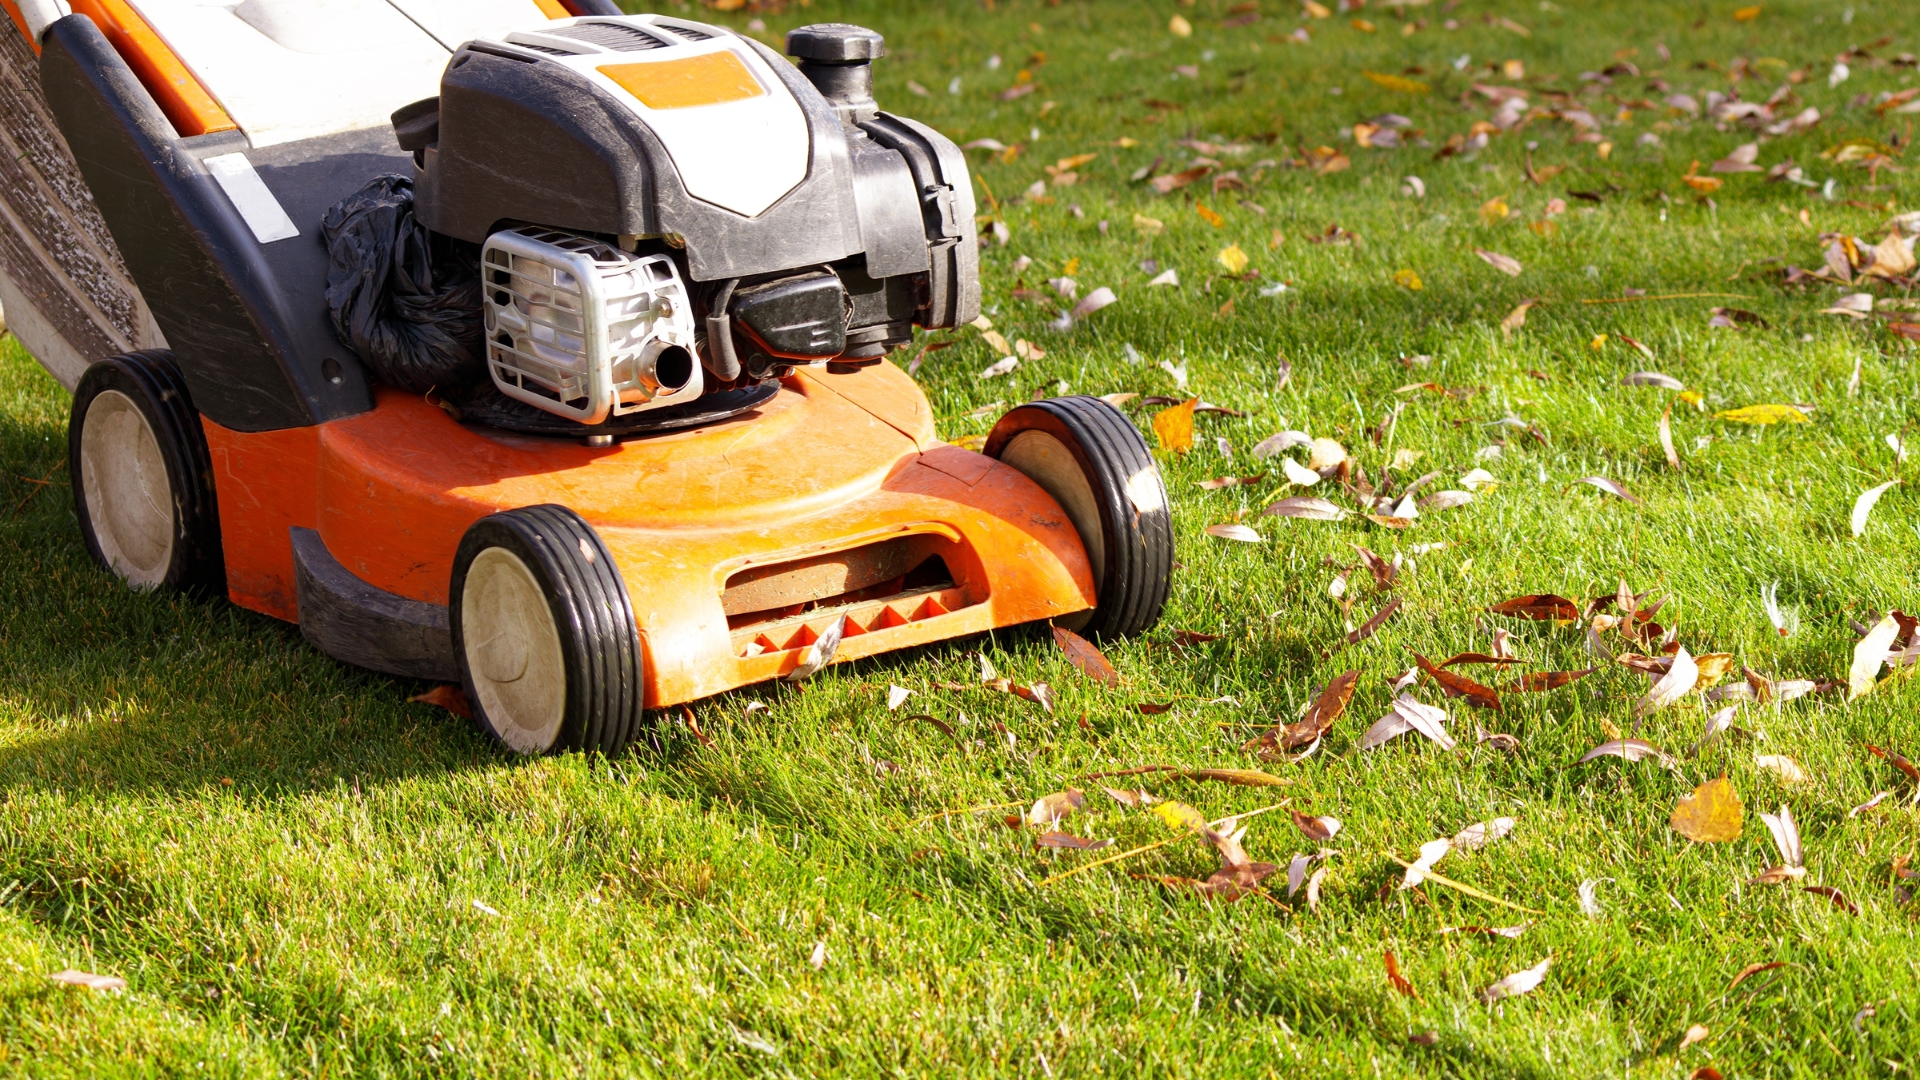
1397 83
1651 378
1542 681
1084 656
1682 676
447 696
1666 440
1281 443
88 981
1241 533
1481 833
1611 487
1540 606
1051 808
1753 969
1520 982
1627 749
1473 693
1174 426
1366 629
1695 1033
1863 506
1409 714
1069 842
1516 318
1478 658
1308 508
1784 767
896 695
1504 263
1911 771
1319 718
1316 828
1431 853
1219 483
1869 655
1396 980
1835 897
1764 414
1711 813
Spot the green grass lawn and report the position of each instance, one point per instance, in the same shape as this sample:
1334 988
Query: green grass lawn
300 874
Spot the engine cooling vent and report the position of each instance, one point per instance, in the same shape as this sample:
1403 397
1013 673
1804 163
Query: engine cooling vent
548 49
613 36
687 32
584 330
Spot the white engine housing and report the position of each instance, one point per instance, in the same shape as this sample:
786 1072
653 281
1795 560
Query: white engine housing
584 330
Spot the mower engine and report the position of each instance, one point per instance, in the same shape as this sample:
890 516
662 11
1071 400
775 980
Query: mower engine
666 209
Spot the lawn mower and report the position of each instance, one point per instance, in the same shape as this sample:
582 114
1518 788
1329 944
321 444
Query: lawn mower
535 347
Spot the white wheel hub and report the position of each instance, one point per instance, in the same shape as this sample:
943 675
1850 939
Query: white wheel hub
1046 461
129 498
513 651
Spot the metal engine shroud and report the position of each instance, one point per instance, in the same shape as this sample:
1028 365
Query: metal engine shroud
808 225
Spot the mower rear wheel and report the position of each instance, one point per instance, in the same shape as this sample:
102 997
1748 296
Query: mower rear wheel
544 634
1090 458
142 481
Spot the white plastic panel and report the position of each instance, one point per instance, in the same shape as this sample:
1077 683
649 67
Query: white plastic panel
742 155
455 22
295 69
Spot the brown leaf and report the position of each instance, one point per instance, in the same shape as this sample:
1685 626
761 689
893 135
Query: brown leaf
1236 777
1896 761
1316 828
1085 657
1174 181
1231 481
945 728
1193 637
1070 842
1367 629
1516 318
1396 980
1384 573
1542 606
1316 722
1835 897
1751 970
1051 808
1153 708
446 696
1477 658
1476 695
1388 521
1541 681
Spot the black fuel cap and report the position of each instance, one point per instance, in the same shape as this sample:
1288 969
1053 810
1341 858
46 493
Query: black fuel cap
836 43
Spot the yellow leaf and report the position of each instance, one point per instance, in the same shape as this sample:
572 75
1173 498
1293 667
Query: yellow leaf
1174 427
970 442
1605 150
1544 227
1397 83
1068 164
1711 815
1408 280
1364 26
1693 398
1208 215
1126 142
999 342
1318 11
1517 318
1179 27
1705 185
1072 267
1233 259
1599 340
1763 414
1179 815
1494 209
1747 14
1713 667
1149 226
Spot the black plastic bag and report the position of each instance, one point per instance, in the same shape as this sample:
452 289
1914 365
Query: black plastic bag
413 317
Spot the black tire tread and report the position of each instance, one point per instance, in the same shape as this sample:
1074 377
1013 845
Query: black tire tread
588 598
1139 555
154 378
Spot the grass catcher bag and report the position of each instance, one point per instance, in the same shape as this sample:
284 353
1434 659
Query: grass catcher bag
407 305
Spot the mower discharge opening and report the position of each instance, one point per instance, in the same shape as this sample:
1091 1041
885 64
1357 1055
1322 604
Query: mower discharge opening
783 606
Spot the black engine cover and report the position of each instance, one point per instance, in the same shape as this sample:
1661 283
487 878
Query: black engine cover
796 318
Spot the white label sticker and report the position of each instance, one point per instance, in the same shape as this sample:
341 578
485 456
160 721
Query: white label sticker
262 212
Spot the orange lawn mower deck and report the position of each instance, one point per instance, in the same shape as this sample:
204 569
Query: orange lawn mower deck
612 434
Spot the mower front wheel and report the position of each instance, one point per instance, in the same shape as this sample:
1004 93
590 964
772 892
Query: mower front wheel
1092 460
544 634
142 481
